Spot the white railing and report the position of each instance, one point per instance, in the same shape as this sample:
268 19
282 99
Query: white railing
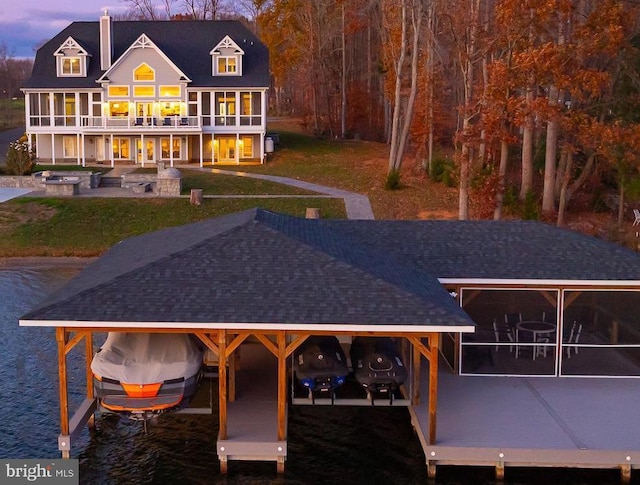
141 122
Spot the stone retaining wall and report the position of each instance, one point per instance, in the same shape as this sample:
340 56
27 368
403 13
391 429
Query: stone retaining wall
131 179
16 182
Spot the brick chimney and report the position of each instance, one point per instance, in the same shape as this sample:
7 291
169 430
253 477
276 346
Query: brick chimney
106 41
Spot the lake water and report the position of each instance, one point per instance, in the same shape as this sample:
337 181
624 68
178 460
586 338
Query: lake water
326 445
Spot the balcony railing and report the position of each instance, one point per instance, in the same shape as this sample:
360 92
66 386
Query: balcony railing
141 122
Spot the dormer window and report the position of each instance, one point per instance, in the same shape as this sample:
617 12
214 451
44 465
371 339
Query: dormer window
227 65
71 66
227 58
144 72
71 59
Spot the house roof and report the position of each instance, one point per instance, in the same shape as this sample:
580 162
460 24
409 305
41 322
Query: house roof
263 269
186 43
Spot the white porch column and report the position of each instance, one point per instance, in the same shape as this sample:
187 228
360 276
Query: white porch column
77 110
143 151
27 114
53 148
113 163
213 149
237 150
78 149
170 148
84 155
202 150
52 122
262 153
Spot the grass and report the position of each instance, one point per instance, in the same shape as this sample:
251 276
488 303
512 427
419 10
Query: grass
215 184
11 112
361 167
88 226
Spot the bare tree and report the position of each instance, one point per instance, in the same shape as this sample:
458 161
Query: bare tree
143 9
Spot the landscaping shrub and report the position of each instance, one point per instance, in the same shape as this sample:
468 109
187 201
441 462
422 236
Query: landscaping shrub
393 180
444 171
19 158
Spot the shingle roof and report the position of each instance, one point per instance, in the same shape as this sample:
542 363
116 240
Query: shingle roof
497 250
260 267
186 43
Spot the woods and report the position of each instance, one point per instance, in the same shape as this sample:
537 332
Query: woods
536 100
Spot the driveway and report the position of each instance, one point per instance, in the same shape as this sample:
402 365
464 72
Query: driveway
6 137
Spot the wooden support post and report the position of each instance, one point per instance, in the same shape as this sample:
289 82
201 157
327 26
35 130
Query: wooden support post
280 465
282 386
500 471
61 337
224 466
232 375
431 470
88 346
433 386
222 384
196 197
415 377
625 473
312 213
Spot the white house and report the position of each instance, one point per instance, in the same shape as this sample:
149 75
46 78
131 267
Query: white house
149 91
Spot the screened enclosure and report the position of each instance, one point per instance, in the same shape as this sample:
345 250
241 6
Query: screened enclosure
548 332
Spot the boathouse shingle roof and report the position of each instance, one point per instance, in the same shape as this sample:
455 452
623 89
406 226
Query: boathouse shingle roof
260 267
186 43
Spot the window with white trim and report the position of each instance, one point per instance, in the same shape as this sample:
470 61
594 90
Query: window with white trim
121 148
144 72
166 148
70 146
70 66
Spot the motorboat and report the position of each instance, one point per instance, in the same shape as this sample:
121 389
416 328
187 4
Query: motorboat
320 364
143 374
377 365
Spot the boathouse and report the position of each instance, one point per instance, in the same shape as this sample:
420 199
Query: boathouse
511 309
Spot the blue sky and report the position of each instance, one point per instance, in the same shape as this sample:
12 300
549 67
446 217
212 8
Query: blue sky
26 23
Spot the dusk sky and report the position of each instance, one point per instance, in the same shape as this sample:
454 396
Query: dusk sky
26 23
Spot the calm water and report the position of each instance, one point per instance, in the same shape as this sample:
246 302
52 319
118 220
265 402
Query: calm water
326 445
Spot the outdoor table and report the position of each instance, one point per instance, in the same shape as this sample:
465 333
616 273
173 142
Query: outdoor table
536 329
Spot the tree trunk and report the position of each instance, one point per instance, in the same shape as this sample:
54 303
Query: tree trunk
502 174
548 192
564 191
527 157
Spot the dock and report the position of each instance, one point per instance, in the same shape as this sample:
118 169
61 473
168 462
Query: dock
533 422
252 417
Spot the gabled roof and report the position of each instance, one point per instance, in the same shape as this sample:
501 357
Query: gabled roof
227 43
70 43
254 269
186 43
143 42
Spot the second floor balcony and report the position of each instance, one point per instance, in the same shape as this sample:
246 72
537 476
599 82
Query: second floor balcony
141 123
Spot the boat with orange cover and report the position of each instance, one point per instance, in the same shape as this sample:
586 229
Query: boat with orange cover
142 374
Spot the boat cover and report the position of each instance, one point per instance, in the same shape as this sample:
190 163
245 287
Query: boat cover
147 358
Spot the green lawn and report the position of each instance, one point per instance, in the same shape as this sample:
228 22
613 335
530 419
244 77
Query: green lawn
87 226
215 184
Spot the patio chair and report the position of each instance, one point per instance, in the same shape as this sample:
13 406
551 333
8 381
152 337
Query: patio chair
166 122
636 215
138 122
184 121
503 333
574 338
